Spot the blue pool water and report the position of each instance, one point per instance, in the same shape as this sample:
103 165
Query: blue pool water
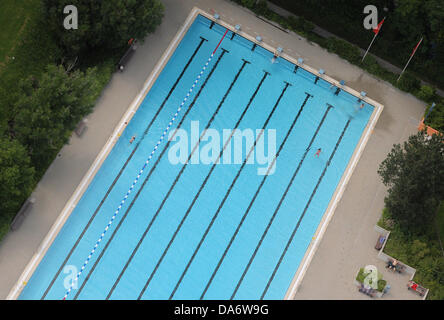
244 234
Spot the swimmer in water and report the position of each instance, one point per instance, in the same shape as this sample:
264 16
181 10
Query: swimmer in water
132 138
318 153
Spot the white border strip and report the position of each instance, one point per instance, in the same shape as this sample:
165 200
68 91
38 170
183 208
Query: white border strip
295 283
332 207
86 180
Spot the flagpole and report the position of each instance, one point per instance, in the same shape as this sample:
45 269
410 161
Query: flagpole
374 37
411 56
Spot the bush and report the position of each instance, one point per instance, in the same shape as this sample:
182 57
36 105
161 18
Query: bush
372 66
16 180
344 49
426 93
420 252
408 82
261 8
360 277
248 3
299 24
381 285
436 118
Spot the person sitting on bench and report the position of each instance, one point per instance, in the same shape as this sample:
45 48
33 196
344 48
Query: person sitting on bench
392 264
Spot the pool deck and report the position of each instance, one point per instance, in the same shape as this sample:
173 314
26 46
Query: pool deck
348 242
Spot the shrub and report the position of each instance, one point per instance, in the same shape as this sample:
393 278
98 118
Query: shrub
248 3
261 8
426 93
16 180
344 49
360 277
420 252
299 24
381 285
436 118
408 82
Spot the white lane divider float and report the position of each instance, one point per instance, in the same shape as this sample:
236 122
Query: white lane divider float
143 168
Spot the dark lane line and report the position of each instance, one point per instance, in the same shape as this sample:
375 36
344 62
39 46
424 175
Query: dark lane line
284 195
164 200
165 148
202 185
305 210
255 196
227 193
121 170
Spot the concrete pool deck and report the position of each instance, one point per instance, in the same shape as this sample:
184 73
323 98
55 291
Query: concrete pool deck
348 242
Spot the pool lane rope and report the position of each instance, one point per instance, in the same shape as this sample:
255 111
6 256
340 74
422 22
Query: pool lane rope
143 168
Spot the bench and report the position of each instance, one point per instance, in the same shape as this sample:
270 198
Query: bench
413 286
380 242
368 291
81 127
399 267
20 216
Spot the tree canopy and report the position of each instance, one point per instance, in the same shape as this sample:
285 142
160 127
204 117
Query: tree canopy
51 108
16 176
102 24
414 174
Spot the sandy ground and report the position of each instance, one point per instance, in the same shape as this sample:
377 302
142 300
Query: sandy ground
348 243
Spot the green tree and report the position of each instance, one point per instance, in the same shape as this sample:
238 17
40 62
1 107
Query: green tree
103 24
414 174
16 179
51 108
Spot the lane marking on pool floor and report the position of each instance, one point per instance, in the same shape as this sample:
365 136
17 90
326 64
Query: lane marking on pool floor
143 168
284 195
203 185
304 212
175 181
149 175
120 172
250 205
215 215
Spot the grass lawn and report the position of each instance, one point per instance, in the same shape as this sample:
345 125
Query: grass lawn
24 36
14 16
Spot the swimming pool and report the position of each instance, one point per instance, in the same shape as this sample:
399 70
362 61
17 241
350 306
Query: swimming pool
204 230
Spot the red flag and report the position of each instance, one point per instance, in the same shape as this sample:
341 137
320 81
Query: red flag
376 30
414 50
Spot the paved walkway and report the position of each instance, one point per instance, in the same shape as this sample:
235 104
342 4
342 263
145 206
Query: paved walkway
349 239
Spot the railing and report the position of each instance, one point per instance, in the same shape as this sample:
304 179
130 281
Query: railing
429 130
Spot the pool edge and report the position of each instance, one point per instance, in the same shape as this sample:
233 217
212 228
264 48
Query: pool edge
337 195
335 199
47 241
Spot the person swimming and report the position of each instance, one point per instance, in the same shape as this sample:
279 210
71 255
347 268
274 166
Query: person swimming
132 139
318 152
